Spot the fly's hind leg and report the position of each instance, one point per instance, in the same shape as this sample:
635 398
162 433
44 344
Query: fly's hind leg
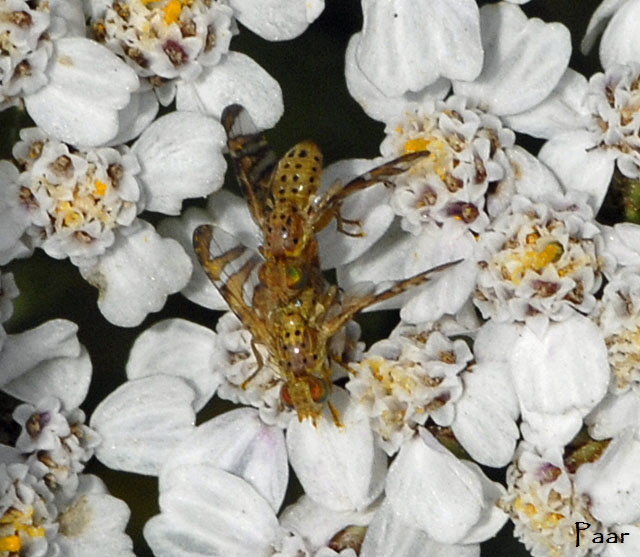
355 223
352 306
259 363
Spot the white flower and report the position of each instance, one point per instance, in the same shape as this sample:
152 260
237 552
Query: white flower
83 204
221 487
44 361
451 500
59 441
619 19
620 323
419 374
26 506
35 523
517 74
407 45
175 368
65 80
540 261
471 168
47 505
559 373
407 378
277 20
548 497
182 48
596 130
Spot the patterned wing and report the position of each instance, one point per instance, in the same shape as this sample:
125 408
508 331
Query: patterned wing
253 159
233 269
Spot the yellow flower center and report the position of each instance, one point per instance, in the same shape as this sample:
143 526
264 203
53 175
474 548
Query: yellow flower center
536 259
172 11
20 522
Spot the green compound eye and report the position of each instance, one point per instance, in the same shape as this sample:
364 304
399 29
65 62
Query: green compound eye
294 277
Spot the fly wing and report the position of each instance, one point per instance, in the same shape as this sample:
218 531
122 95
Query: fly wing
253 158
233 269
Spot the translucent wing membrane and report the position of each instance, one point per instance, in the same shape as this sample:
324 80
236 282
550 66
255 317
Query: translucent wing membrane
253 159
233 269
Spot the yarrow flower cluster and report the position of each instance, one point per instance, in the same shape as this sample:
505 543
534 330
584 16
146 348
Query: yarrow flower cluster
516 345
540 260
48 505
165 41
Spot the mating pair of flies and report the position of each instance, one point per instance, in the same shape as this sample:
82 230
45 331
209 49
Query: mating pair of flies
291 309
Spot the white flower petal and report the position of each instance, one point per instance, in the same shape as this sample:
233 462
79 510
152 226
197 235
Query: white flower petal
240 443
563 110
524 60
14 218
181 156
94 525
387 535
316 523
229 212
533 179
493 518
408 44
25 351
578 166
485 415
544 430
612 483
137 273
87 86
66 378
136 116
236 79
339 467
598 21
445 293
616 46
207 512
374 102
141 422
181 348
614 414
564 369
277 20
430 489
399 256
623 242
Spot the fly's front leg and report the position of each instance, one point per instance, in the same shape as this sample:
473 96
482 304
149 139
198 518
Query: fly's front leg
329 206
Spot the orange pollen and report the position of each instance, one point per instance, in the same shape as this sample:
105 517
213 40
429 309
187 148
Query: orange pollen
538 260
10 543
416 145
99 188
172 11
